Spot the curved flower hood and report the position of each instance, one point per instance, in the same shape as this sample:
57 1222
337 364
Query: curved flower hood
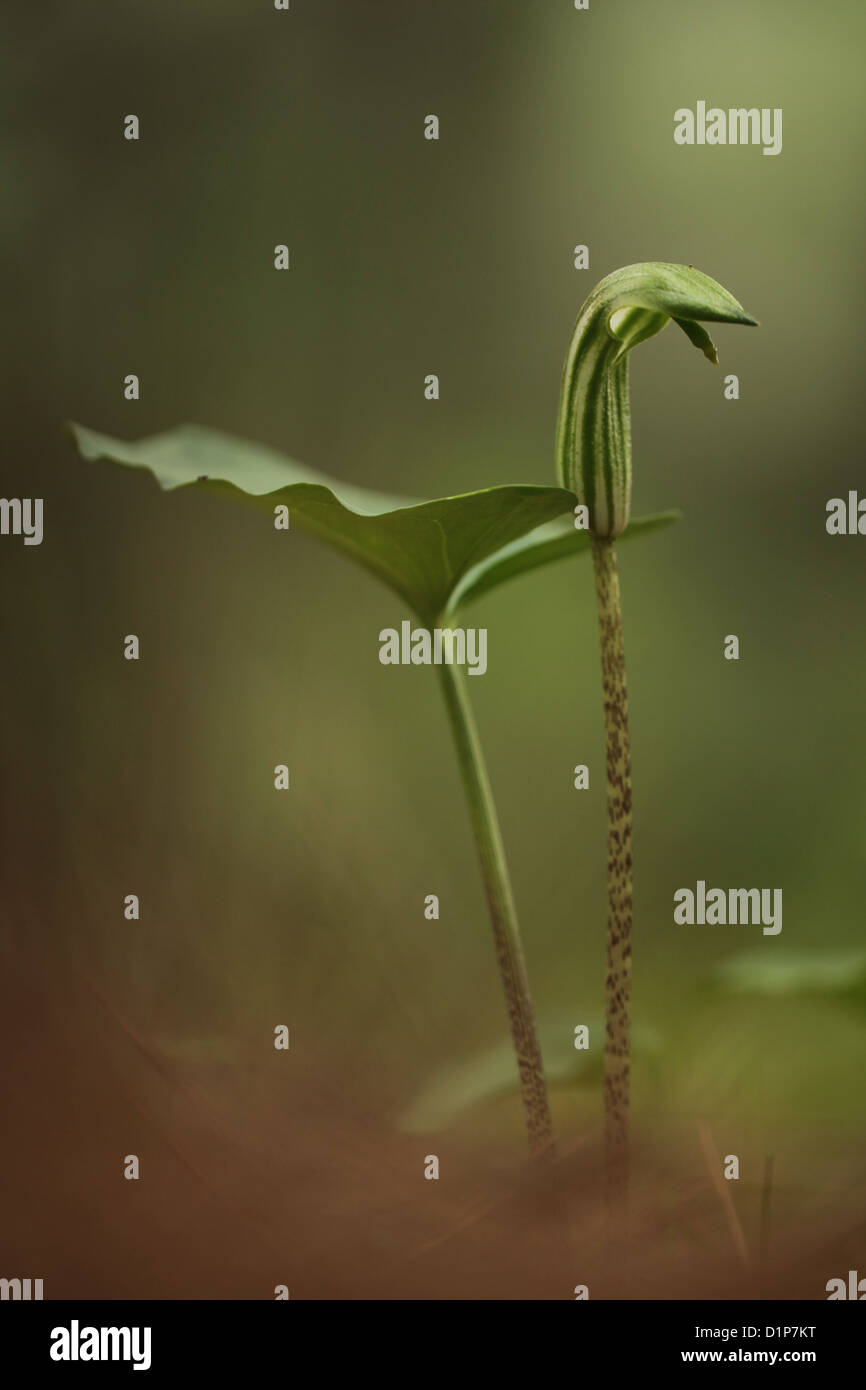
593 438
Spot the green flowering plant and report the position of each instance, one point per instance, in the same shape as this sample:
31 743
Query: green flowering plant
593 456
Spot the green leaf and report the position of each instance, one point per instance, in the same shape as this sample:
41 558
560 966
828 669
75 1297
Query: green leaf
782 974
555 541
492 1073
437 555
421 549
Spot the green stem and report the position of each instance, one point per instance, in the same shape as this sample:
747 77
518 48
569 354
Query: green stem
506 932
619 870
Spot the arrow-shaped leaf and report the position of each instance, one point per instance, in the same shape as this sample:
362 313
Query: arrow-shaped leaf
437 555
421 549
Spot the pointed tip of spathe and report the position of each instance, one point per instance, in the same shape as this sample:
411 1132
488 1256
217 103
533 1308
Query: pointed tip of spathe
737 317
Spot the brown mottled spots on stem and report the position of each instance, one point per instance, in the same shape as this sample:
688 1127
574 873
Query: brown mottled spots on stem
619 798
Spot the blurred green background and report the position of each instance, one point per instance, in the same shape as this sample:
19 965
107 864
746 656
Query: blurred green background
411 257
